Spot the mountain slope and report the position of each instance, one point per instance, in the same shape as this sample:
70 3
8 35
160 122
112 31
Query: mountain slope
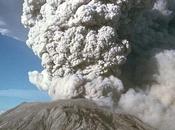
74 114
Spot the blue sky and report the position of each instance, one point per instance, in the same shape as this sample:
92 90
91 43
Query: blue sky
10 19
16 59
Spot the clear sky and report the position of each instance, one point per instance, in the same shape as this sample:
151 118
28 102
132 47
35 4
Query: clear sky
10 19
16 59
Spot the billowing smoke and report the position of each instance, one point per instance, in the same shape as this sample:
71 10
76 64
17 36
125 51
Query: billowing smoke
149 73
1 112
79 46
85 50
156 104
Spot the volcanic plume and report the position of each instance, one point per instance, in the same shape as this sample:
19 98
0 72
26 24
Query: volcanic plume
85 50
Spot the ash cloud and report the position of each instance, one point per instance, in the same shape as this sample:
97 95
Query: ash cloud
79 46
148 75
85 49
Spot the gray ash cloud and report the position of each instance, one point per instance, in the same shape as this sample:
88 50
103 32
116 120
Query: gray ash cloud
111 52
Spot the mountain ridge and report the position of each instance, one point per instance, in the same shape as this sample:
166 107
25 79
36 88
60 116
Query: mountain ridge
73 114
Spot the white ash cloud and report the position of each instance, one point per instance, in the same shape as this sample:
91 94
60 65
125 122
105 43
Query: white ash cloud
156 105
1 112
84 44
79 45
161 6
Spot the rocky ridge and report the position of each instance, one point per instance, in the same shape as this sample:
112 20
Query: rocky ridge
74 114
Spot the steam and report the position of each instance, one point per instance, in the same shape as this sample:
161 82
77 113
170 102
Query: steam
150 70
156 105
85 50
161 6
1 112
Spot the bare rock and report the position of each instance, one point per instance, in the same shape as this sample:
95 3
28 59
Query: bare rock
74 114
